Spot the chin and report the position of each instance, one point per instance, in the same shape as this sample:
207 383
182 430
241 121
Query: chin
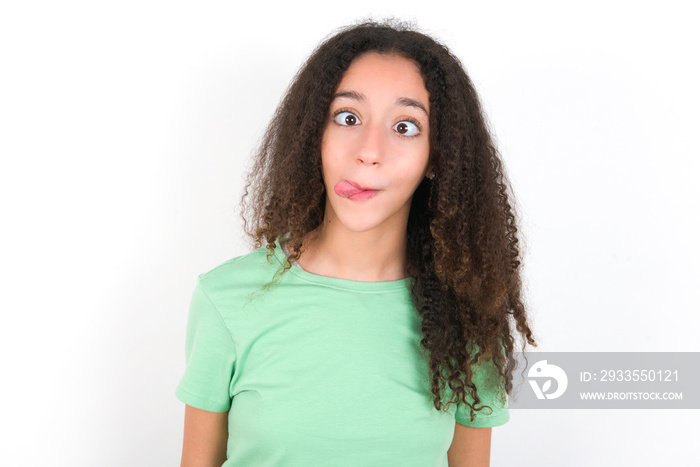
360 227
359 223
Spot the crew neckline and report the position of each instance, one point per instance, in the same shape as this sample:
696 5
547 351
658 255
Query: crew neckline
337 282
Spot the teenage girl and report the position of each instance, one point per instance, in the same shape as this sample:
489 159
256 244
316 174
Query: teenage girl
372 323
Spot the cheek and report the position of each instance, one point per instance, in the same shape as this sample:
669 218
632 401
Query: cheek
326 146
332 151
413 161
324 152
328 162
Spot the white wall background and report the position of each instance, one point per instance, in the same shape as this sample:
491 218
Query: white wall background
125 130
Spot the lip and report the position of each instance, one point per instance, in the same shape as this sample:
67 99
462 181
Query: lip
353 190
363 195
360 187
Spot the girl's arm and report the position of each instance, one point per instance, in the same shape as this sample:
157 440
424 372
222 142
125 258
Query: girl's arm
206 434
471 447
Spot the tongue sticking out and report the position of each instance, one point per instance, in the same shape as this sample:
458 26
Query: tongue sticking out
345 188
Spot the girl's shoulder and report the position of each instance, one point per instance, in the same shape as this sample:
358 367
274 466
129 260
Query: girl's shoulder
252 267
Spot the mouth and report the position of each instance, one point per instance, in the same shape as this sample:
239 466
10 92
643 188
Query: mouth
352 190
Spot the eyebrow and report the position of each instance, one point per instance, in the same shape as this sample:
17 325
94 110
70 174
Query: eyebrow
408 102
401 101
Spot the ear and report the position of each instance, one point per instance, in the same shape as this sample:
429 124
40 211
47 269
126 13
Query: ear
429 169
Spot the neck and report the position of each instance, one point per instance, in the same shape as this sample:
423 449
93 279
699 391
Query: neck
377 255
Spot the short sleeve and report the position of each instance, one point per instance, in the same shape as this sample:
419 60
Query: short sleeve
210 356
491 393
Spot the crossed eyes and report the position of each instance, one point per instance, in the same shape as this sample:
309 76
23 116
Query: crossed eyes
403 128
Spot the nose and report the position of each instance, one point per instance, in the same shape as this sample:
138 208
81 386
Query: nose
372 145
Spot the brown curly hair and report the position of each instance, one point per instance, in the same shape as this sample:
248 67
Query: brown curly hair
462 250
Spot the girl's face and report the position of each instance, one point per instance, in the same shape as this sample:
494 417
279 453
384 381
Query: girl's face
376 137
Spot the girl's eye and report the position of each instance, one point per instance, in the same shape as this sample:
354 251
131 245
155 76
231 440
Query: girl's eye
346 119
406 128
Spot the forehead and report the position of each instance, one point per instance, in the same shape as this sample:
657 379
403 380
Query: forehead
392 75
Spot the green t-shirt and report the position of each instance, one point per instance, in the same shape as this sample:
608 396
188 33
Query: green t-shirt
317 370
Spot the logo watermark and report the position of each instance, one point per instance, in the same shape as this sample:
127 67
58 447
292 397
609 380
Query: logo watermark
605 380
